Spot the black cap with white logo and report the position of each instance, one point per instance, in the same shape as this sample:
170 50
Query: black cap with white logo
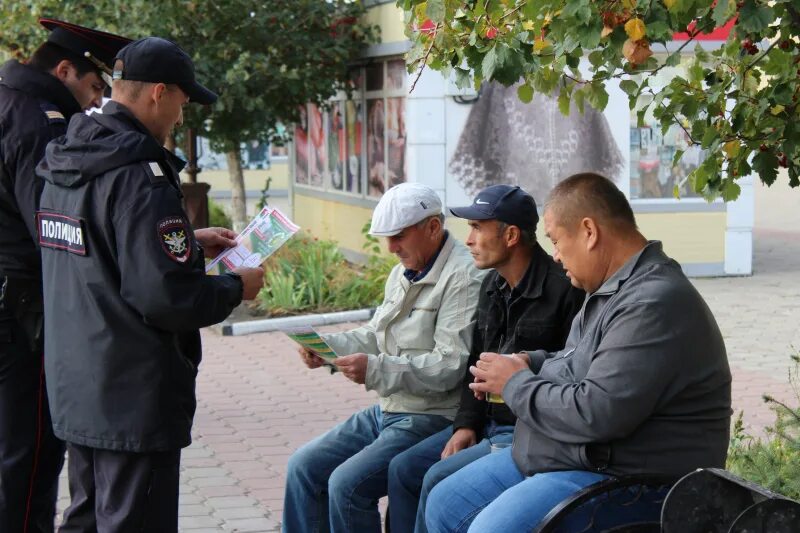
158 60
505 203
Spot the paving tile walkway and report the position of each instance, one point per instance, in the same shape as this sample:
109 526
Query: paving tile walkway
257 403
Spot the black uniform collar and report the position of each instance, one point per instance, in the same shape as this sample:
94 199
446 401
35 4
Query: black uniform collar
39 84
121 113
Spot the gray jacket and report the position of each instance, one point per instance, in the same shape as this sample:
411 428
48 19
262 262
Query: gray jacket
418 340
642 385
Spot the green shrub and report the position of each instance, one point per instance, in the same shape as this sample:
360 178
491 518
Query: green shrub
312 275
773 462
217 217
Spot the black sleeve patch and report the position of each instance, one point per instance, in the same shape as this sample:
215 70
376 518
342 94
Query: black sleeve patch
174 235
61 232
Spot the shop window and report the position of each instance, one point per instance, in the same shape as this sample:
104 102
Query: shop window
356 144
653 175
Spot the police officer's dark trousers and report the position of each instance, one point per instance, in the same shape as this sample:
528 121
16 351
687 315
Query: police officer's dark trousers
122 492
30 456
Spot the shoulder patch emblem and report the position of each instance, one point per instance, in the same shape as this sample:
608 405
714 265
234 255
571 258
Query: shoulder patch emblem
174 235
61 232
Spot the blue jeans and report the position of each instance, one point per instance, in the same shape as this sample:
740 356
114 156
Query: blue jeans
333 483
491 494
414 473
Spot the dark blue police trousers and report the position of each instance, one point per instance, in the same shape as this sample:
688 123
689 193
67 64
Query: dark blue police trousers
31 457
121 492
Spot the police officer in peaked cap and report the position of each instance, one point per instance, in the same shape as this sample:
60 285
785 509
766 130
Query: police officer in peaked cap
63 77
125 293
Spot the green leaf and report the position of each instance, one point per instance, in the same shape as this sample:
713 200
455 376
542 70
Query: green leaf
730 190
598 96
435 10
584 13
489 63
754 18
579 98
765 164
722 12
677 157
629 86
658 31
463 79
563 102
673 60
699 178
525 93
640 117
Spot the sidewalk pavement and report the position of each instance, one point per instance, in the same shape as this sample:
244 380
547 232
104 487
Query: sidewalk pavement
257 403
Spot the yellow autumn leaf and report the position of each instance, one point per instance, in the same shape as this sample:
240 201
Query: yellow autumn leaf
731 149
528 25
540 44
635 29
777 110
670 3
606 32
630 4
637 52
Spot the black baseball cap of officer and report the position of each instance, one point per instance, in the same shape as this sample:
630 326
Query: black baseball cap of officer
505 203
98 47
157 60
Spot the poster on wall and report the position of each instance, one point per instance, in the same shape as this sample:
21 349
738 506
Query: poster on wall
334 133
353 131
301 148
532 145
376 159
317 151
386 144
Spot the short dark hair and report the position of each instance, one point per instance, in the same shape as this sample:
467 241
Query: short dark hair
527 236
48 55
590 195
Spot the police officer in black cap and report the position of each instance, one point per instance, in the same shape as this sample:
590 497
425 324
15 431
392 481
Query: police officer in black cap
125 293
63 77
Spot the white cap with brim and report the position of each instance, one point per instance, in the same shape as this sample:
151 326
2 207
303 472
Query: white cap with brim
403 206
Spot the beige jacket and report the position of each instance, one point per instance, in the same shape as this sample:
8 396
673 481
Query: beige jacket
418 340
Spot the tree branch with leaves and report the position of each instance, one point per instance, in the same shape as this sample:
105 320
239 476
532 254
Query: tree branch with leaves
737 102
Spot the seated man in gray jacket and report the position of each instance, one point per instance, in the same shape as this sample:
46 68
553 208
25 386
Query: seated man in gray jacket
642 385
413 353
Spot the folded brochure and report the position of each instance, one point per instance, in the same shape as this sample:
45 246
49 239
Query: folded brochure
309 338
267 232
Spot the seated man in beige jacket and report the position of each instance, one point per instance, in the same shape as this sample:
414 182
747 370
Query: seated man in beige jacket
413 353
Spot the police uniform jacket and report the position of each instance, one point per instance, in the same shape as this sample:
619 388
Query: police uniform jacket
124 287
34 108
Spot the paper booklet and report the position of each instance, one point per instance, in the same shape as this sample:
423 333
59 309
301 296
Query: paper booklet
267 232
307 337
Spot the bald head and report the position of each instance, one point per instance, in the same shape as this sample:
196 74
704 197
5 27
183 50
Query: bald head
589 195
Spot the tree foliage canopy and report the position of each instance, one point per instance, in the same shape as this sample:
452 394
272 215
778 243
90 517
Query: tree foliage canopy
265 58
738 102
